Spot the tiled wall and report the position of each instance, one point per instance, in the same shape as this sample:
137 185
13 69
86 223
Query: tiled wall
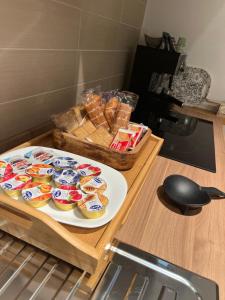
51 49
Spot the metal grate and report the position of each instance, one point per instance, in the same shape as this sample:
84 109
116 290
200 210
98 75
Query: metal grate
29 273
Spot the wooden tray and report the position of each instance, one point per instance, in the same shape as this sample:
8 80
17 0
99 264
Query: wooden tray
118 160
84 248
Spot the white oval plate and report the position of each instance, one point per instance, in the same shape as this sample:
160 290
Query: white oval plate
116 192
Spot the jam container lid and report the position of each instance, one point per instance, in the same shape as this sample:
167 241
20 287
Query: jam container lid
88 170
91 185
40 155
93 204
66 177
15 181
67 194
64 162
19 164
40 170
5 168
37 191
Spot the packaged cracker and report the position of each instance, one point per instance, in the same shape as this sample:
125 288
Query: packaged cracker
111 108
100 136
84 130
94 106
122 117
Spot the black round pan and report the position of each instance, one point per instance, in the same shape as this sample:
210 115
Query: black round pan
187 194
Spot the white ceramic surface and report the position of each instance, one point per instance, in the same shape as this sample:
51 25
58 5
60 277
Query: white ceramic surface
116 192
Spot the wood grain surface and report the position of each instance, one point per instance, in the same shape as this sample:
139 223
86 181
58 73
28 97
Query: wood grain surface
196 243
82 247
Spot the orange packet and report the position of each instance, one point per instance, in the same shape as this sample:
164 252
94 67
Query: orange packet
122 140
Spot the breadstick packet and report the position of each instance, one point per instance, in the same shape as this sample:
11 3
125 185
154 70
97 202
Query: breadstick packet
94 106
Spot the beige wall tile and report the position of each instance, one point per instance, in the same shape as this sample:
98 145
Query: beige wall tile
127 37
38 24
21 115
25 73
133 12
98 33
94 26
108 8
101 34
116 82
99 64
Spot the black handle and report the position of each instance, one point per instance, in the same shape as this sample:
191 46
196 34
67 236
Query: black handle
213 193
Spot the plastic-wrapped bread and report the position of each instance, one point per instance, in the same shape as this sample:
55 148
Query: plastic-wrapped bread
95 110
66 121
122 117
111 109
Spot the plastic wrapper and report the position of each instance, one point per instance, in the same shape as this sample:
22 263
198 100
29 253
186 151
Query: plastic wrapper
71 119
94 106
129 98
122 117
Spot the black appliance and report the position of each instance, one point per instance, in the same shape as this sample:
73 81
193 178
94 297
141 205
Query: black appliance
152 65
187 139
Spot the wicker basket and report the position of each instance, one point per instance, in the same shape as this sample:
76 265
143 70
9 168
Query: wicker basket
115 159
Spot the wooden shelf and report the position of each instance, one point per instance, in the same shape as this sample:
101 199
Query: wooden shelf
84 248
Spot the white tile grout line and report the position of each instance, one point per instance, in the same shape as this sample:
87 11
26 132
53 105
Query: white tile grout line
63 50
98 15
36 95
100 79
62 89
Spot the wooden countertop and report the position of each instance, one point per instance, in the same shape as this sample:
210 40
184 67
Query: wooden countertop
196 243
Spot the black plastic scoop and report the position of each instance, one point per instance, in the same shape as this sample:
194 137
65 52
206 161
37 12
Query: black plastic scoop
187 194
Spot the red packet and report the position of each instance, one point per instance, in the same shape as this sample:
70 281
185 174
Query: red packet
122 140
138 130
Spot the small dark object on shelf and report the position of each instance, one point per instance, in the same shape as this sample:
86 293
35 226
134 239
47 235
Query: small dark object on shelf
153 42
187 194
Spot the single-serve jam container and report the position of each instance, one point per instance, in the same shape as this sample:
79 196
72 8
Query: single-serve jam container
37 194
64 162
40 172
69 177
66 197
13 184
